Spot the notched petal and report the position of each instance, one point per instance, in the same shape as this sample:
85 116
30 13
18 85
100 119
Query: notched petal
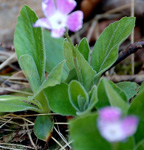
75 21
57 33
43 22
129 125
109 114
48 7
65 6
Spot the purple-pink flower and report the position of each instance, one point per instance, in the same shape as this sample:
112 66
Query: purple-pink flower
113 127
58 17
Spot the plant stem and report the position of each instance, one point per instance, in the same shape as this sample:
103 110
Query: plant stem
97 79
74 49
67 36
114 146
77 70
43 101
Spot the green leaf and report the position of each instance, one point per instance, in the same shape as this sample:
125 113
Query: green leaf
59 101
43 127
137 108
68 54
128 144
72 76
141 89
55 76
108 95
54 50
121 93
102 95
87 73
28 40
85 135
138 136
77 95
30 70
29 67
140 146
93 97
130 88
114 98
12 104
53 79
105 51
84 49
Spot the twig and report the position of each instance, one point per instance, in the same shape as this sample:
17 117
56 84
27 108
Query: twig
132 36
120 78
130 50
29 135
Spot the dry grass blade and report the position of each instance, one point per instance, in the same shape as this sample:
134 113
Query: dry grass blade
10 60
63 148
66 145
30 137
62 137
16 145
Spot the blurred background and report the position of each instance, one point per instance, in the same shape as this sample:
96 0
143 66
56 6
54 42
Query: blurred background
9 11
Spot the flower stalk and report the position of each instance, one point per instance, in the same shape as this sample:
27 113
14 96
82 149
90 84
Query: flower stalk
114 146
74 49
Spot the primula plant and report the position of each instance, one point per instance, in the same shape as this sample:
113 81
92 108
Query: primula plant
106 115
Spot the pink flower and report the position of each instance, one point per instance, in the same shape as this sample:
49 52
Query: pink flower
58 17
113 127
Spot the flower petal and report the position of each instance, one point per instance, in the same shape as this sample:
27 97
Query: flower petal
65 6
74 21
48 7
43 22
129 125
57 33
110 114
112 132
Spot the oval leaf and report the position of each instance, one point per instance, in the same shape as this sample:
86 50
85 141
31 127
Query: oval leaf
59 101
54 50
108 95
105 51
30 70
85 135
86 71
43 127
137 108
53 79
129 88
68 54
77 95
28 40
84 49
12 104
